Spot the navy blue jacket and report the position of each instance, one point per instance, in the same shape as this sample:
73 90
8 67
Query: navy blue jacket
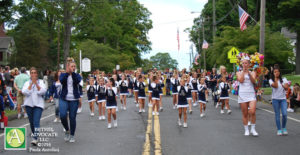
64 82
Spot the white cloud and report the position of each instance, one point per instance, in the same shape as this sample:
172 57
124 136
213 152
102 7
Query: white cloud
167 18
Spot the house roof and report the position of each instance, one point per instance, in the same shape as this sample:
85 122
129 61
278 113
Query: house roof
288 33
5 41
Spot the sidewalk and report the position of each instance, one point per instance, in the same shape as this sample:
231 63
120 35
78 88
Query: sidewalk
12 117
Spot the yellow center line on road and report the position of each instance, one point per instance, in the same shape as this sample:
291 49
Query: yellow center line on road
157 139
147 144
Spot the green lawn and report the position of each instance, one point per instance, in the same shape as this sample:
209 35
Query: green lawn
10 112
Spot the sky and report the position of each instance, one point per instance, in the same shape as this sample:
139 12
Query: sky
167 17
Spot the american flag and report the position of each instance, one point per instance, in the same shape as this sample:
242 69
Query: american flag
243 18
178 39
205 45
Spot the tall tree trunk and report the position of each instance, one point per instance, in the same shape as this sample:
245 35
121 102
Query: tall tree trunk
298 53
257 10
67 29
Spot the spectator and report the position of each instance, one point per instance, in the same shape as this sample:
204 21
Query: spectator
18 85
33 91
295 98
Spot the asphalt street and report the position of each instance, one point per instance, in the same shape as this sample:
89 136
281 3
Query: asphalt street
136 134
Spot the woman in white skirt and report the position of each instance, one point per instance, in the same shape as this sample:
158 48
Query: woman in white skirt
246 97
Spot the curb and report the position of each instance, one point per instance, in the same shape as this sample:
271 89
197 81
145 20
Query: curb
13 117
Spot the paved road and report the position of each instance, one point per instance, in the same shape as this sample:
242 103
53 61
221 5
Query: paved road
215 134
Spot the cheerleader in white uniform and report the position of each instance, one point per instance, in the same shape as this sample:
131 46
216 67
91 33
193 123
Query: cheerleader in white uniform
141 93
189 93
149 80
161 83
246 97
224 97
155 95
135 88
202 96
101 98
123 85
182 103
91 94
175 84
194 83
111 102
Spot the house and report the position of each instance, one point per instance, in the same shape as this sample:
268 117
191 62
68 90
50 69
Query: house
7 46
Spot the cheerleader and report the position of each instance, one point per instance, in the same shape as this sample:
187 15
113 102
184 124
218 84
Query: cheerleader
224 97
150 76
189 93
123 83
175 84
101 98
91 94
130 85
182 102
141 93
155 94
202 92
246 97
161 83
111 102
194 84
135 88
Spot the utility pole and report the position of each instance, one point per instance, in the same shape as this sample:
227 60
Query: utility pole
214 19
262 27
204 51
58 46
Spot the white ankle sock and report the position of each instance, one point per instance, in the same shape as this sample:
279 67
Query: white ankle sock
252 126
246 127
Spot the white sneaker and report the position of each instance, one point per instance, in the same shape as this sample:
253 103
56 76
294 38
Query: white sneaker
115 123
222 111
19 116
124 108
185 125
143 110
137 105
103 117
229 112
247 133
140 111
100 118
25 115
157 113
55 120
202 115
161 109
195 104
290 110
92 114
217 105
179 122
109 126
72 139
254 133
79 110
67 136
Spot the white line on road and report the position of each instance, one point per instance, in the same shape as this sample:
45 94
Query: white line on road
266 110
28 123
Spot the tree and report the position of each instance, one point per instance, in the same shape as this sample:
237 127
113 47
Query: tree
32 45
278 49
5 10
290 17
103 57
162 61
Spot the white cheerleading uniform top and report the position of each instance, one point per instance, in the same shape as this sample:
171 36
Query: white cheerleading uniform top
246 90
